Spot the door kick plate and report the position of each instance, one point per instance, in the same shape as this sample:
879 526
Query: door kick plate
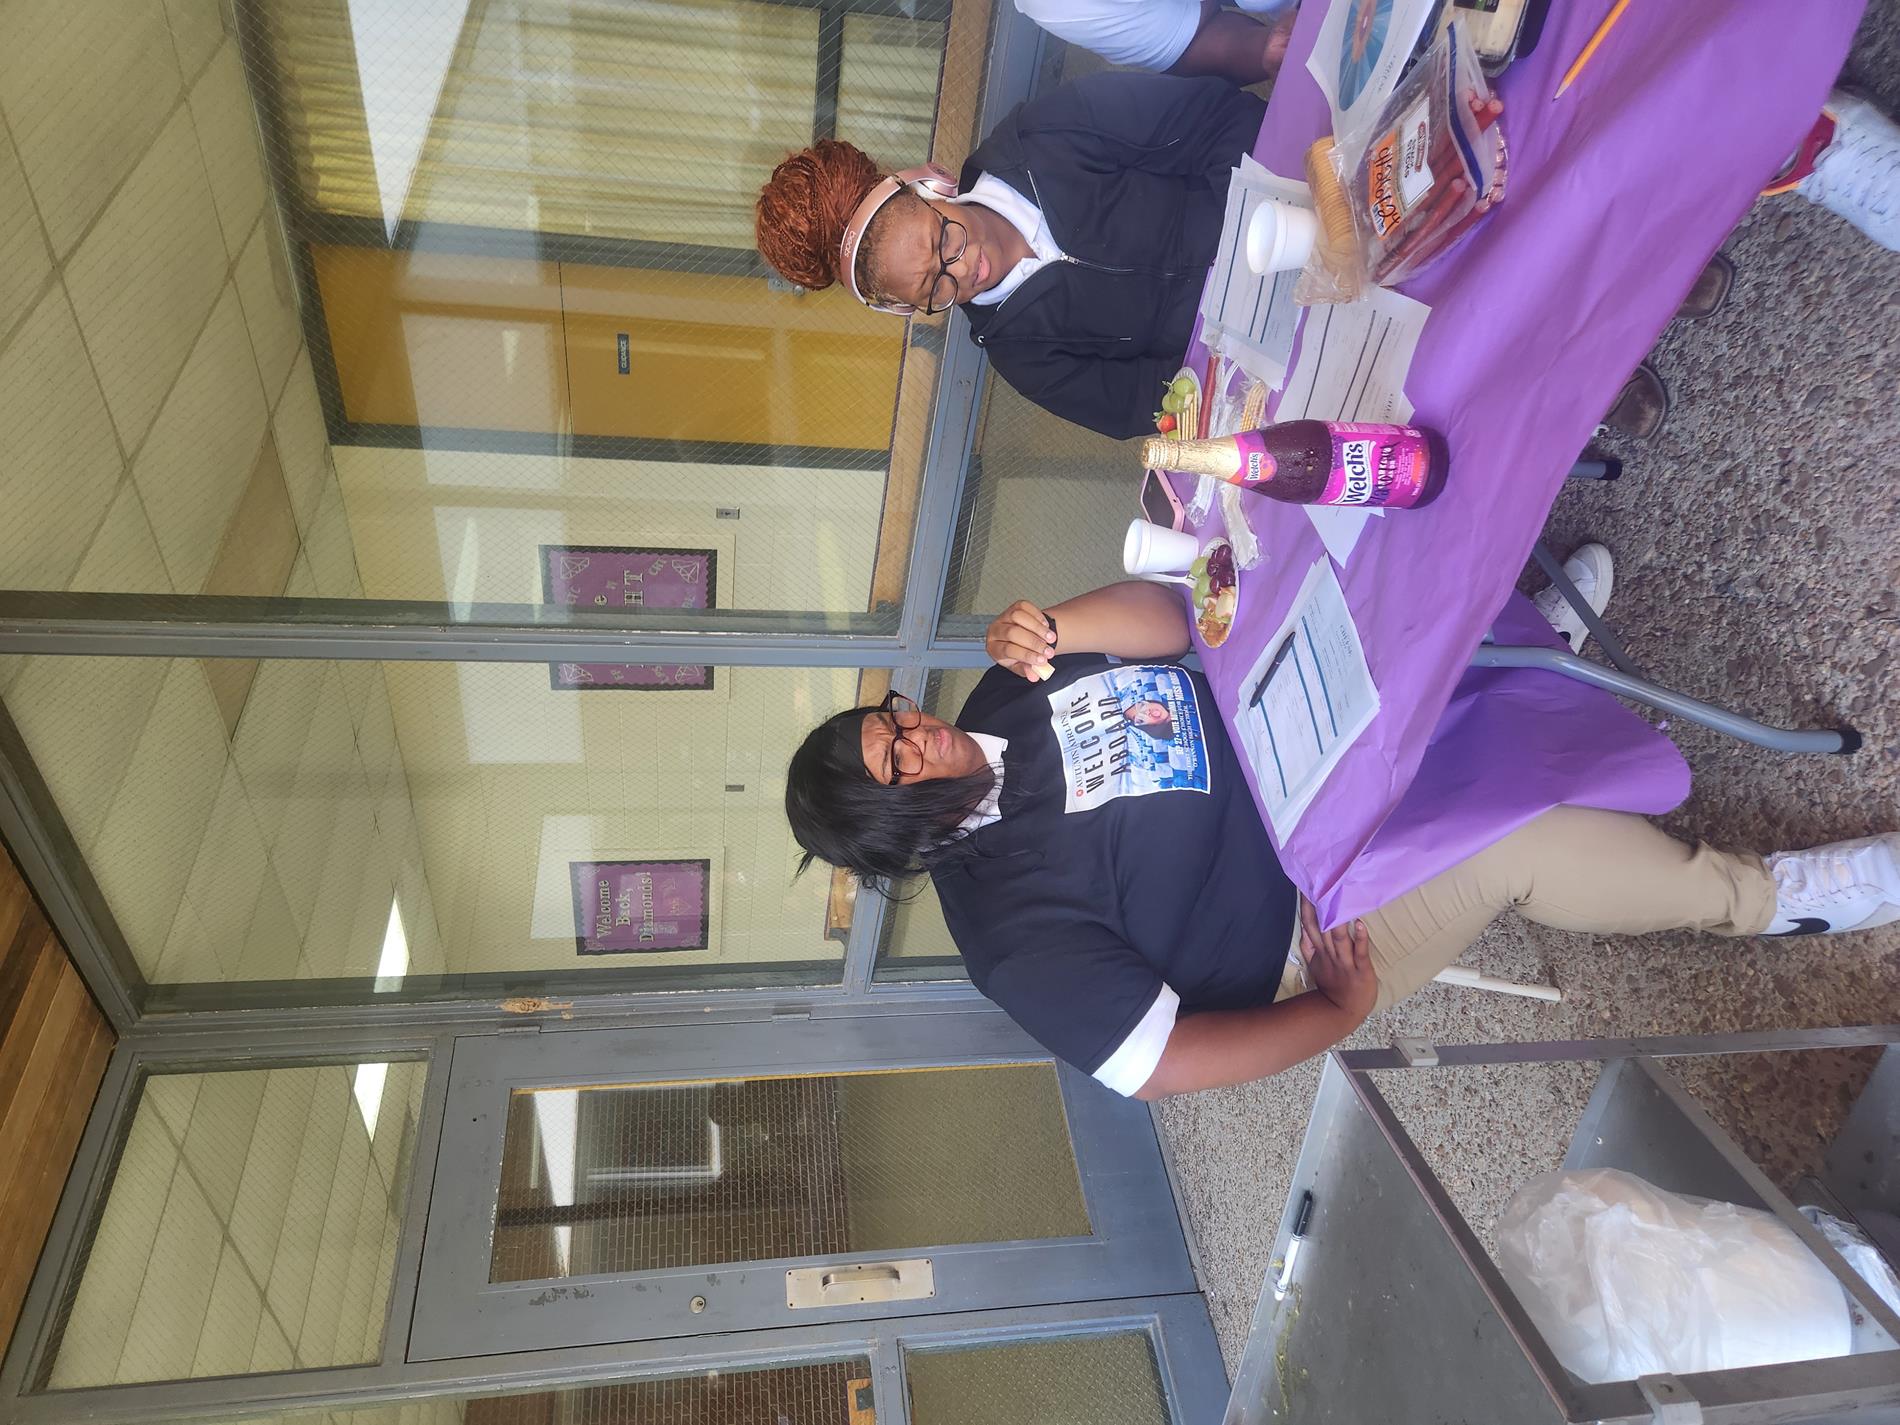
854 1283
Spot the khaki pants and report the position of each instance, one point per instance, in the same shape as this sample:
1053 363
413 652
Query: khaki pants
1575 868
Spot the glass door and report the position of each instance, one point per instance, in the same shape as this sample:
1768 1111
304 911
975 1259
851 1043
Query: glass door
448 322
615 1185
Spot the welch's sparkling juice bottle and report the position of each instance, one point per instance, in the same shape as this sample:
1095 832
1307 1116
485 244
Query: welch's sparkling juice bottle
1316 462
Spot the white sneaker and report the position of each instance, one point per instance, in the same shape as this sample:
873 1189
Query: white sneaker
1848 885
1857 176
1593 571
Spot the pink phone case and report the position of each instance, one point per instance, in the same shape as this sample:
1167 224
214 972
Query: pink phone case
1157 493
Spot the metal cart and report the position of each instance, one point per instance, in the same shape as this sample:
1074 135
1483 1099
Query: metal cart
1400 1317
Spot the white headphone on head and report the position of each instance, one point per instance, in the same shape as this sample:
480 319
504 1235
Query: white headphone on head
930 181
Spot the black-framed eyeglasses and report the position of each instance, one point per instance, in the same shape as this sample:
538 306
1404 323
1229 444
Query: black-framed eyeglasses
906 757
950 245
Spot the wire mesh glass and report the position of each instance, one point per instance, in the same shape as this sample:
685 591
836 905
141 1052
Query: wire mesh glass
820 1393
294 830
1045 506
1073 1380
430 284
620 1178
250 1225
915 943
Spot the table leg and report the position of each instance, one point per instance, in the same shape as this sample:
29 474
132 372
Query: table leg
1608 468
1613 648
1467 978
1641 690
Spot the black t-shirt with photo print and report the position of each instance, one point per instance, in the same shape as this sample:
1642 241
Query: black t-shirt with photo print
1129 854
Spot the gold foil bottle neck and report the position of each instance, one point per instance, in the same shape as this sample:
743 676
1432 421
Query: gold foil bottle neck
1218 456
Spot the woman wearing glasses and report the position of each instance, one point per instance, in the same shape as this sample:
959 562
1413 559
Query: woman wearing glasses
1120 899
1075 242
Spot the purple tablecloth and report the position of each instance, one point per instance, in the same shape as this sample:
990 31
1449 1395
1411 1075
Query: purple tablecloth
1618 193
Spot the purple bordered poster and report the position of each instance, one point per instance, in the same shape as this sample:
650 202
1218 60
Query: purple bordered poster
635 907
597 576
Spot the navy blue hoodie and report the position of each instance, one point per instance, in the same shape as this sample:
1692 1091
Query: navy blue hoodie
1129 856
1131 174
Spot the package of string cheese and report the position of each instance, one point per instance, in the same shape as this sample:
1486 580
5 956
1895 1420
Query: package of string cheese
1432 165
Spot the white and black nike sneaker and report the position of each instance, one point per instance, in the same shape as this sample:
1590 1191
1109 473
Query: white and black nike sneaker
1846 885
1591 569
1858 174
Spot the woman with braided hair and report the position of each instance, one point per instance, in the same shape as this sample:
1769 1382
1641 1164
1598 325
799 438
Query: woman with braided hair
1075 242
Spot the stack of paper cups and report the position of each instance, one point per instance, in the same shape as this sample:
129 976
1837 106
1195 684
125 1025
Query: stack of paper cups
1151 549
1280 237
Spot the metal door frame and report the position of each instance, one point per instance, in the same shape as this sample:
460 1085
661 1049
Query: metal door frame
1191 1366
1131 1250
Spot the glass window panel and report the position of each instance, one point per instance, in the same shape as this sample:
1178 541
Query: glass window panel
631 1179
655 121
1032 476
378 299
250 1224
916 944
307 830
1075 1380
890 63
824 1393
629 366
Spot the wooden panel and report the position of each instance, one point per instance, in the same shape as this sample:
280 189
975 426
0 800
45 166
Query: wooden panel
54 1044
726 359
443 339
959 105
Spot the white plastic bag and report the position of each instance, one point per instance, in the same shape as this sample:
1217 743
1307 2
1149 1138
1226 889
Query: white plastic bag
1859 1252
1625 1280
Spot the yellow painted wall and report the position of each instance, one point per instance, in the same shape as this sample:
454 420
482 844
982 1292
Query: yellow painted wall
726 358
445 339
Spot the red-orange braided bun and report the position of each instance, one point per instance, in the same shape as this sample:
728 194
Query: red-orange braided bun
804 207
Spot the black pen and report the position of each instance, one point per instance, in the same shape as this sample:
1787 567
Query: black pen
1293 1247
1260 688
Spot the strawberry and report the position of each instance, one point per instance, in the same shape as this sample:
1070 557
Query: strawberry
1165 422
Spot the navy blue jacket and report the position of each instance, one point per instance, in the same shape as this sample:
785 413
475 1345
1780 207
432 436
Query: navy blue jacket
1131 174
1125 859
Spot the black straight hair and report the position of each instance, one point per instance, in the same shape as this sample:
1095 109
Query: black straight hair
883 835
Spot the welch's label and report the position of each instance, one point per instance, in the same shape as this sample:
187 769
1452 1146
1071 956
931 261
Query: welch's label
1256 464
1376 465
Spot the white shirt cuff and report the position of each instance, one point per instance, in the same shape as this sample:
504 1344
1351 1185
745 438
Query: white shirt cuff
1134 1062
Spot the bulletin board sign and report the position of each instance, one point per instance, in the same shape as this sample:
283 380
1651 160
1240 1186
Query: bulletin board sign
601 576
641 907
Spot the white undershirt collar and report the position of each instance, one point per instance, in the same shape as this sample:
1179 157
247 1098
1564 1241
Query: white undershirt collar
986 810
1027 219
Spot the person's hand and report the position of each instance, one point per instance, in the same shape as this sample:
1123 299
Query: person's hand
1020 640
1340 962
1279 35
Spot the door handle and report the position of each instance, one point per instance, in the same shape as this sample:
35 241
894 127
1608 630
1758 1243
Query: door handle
881 1272
853 1284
